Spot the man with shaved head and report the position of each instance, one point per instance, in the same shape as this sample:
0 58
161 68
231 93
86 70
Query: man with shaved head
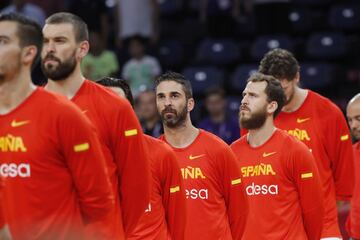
353 117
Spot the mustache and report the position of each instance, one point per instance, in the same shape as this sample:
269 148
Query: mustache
168 109
244 107
49 56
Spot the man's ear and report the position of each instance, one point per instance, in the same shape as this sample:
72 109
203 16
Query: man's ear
83 49
28 54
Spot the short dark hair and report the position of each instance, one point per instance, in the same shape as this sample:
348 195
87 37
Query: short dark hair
28 31
273 90
279 63
119 83
178 78
80 27
215 91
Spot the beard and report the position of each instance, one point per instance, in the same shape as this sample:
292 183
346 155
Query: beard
176 119
62 70
255 121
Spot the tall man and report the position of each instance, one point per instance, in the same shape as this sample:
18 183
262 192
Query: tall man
65 44
216 202
53 169
353 116
320 124
281 178
166 214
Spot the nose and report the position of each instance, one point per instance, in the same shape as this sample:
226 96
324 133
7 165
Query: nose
49 47
167 101
244 100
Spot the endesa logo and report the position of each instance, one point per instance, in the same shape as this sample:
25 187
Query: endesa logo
197 193
254 189
13 170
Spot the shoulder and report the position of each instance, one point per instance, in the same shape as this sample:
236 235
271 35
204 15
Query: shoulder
212 142
150 59
324 106
239 143
291 143
105 98
54 102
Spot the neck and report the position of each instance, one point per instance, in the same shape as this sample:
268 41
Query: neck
181 136
297 100
258 137
15 90
69 86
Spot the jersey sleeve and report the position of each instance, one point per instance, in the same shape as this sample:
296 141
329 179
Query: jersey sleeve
173 196
307 179
133 164
80 147
234 193
353 223
339 149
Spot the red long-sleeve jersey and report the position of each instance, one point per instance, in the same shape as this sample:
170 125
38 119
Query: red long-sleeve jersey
353 223
322 127
166 213
121 139
283 189
215 199
54 172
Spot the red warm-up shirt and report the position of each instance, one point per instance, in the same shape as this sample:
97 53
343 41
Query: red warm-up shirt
53 169
166 213
122 143
215 199
283 188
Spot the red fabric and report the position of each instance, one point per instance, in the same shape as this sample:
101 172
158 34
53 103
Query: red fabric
353 224
166 214
320 124
283 189
216 202
54 171
121 139
2 214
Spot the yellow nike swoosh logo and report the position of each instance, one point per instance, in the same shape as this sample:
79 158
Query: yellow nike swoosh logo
191 157
268 154
301 120
14 123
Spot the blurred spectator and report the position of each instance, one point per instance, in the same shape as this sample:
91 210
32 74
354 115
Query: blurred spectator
94 13
271 16
219 121
49 6
99 62
219 13
24 8
145 106
141 69
137 17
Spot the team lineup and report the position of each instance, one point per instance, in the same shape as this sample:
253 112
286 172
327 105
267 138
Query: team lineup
75 163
